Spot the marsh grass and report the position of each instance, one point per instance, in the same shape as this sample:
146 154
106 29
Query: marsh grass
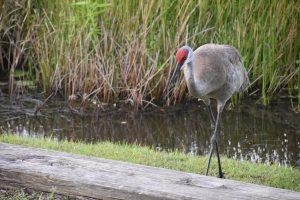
274 175
124 50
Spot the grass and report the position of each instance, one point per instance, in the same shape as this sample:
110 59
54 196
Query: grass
23 194
114 50
275 176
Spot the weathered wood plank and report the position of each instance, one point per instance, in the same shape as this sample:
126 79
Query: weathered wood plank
98 178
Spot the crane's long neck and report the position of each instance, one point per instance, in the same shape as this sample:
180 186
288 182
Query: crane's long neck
190 78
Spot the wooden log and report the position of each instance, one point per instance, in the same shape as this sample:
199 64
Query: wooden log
89 177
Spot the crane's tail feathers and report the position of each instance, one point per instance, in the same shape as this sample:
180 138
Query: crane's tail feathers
246 83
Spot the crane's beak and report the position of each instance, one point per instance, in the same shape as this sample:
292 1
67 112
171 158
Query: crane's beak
175 74
173 79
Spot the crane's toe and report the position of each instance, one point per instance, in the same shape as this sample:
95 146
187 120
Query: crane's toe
221 175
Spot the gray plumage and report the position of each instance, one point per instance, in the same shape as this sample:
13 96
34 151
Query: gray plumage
215 71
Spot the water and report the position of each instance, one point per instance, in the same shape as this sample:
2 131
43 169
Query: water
249 132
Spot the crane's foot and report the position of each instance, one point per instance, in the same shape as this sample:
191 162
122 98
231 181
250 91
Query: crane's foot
221 175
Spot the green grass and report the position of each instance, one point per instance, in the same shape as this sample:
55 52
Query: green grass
275 176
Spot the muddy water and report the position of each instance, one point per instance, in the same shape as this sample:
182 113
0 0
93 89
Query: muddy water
249 132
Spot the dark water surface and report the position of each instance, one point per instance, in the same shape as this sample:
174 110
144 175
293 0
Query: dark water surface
249 132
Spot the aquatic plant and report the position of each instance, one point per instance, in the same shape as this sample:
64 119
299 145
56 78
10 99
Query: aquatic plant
124 50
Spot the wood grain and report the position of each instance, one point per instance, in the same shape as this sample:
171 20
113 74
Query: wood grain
89 177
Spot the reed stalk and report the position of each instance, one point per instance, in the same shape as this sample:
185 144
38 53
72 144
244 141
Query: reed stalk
113 50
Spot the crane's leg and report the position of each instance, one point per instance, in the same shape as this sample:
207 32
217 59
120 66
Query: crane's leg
212 118
209 159
221 174
214 142
211 114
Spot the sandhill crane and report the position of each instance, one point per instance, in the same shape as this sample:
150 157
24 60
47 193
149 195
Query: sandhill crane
212 72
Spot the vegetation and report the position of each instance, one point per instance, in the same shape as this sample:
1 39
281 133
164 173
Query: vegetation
21 194
276 176
114 50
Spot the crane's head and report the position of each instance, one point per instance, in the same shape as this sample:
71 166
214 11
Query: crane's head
181 55
184 55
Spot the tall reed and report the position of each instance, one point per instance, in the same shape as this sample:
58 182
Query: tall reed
114 50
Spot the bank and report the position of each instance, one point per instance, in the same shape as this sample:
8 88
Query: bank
268 175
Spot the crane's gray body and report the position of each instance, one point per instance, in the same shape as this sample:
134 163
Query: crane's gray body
212 71
215 71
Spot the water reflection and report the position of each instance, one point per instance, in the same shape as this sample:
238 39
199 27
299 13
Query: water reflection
249 133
